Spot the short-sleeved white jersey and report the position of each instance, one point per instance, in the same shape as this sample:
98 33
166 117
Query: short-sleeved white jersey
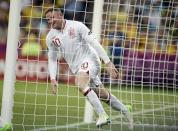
75 43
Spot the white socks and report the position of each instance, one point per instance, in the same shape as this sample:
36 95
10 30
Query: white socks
95 102
117 105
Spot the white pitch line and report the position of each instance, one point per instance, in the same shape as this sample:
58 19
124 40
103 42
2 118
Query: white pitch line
116 117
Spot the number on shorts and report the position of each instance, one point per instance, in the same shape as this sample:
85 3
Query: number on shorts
84 66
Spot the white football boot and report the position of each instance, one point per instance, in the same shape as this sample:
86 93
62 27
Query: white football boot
103 120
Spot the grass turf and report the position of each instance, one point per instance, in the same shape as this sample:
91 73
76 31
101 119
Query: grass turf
35 108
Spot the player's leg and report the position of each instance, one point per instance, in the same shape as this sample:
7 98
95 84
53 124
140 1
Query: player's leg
106 96
115 103
82 82
110 99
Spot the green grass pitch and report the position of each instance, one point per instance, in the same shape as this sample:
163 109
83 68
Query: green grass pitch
35 108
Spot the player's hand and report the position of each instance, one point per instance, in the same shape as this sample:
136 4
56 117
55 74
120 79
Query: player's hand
111 69
54 86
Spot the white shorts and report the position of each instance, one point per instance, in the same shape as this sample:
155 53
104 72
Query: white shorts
92 67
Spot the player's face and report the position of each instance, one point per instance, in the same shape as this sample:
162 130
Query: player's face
54 19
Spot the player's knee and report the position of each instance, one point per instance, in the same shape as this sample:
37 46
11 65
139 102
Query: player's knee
102 94
86 90
82 80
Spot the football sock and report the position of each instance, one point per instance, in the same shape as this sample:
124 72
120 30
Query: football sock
117 105
94 101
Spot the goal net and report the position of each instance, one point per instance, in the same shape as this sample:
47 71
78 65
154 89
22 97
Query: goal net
140 37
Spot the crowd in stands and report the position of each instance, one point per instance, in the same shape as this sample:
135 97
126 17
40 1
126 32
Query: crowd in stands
151 25
33 26
4 9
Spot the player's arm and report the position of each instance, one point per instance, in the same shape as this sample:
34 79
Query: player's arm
90 38
52 65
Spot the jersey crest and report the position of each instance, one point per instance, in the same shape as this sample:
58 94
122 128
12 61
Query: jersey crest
71 33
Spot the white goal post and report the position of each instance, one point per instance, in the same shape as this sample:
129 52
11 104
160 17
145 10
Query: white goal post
96 28
10 65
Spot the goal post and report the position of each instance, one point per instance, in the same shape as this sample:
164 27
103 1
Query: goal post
96 29
10 65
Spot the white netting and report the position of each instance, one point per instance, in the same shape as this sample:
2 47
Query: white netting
140 37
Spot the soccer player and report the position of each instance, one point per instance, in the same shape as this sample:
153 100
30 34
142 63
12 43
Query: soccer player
80 49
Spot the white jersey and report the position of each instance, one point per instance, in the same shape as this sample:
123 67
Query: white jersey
75 43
